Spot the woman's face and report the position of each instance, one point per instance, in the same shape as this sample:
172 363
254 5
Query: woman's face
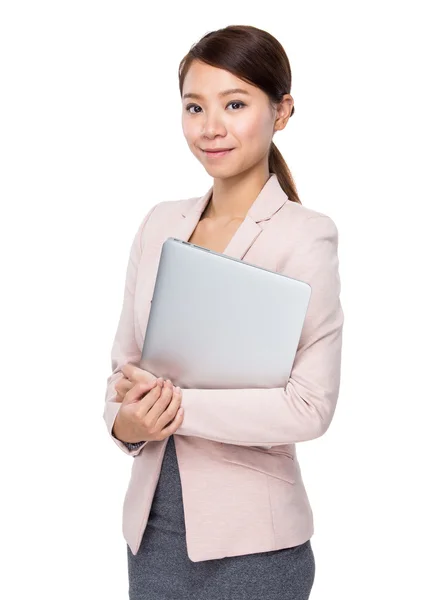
242 122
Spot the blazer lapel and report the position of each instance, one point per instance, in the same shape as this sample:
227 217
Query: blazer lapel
269 200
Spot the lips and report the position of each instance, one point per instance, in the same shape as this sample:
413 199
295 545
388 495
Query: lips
213 154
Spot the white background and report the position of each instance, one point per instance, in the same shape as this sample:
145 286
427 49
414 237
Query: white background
90 140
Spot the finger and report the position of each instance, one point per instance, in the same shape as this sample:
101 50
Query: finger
170 411
117 388
135 373
172 427
129 370
153 406
139 390
143 375
122 386
120 396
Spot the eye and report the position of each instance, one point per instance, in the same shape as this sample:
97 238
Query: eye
191 106
237 102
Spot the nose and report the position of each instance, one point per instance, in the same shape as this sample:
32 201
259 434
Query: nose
213 125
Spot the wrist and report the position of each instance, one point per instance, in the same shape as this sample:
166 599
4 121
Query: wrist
116 428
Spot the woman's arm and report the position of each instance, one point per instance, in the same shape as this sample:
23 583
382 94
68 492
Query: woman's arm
125 348
302 410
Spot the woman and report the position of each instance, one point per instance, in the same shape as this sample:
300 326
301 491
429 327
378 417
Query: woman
203 518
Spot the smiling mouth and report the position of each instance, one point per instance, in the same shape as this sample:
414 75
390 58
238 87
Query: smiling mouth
217 153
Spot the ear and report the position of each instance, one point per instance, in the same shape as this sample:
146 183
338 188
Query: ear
284 112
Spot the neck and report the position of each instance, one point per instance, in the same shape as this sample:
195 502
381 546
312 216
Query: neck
232 197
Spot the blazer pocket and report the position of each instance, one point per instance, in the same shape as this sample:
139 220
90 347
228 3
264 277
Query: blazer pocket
274 462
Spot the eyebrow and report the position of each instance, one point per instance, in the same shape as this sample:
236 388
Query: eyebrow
225 93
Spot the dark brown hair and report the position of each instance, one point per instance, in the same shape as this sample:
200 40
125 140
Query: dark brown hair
255 56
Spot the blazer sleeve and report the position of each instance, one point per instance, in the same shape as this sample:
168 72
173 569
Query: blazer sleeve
125 348
303 409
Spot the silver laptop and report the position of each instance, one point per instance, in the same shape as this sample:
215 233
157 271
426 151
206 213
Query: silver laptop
219 322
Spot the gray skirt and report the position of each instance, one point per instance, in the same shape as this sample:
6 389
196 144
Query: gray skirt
162 570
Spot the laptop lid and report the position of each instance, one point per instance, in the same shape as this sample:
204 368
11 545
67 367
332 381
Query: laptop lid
218 322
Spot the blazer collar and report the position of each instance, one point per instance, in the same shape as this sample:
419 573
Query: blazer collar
269 200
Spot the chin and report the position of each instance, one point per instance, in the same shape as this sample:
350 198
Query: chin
221 171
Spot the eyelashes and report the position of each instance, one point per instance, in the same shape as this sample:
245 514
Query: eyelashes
193 105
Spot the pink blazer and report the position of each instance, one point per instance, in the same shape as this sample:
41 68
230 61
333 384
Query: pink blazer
239 497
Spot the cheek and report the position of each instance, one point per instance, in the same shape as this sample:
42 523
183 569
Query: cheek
191 134
186 128
252 131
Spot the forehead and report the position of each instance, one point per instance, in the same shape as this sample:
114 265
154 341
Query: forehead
207 81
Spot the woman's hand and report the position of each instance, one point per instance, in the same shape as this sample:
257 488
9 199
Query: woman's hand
149 412
131 375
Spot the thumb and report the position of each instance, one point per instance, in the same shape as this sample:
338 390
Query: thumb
137 391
